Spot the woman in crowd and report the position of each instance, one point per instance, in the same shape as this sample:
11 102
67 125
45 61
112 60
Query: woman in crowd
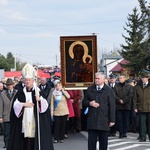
59 111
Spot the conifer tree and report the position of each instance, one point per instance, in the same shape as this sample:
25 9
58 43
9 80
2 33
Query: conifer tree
145 10
133 51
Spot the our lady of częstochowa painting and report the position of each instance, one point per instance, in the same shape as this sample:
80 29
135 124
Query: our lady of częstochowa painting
78 61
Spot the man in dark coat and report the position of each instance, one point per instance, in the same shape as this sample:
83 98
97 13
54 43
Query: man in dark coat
100 100
29 105
123 92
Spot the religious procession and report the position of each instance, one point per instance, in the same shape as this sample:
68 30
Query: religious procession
67 79
37 114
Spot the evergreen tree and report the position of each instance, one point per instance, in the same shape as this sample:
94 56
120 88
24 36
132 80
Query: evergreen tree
146 18
133 51
7 62
11 60
146 13
3 63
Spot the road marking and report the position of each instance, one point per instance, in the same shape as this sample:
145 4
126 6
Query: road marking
128 147
118 144
114 140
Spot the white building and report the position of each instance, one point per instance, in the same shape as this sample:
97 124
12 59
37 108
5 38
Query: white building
108 62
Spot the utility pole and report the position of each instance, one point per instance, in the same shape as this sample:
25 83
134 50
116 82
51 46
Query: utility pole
56 59
15 63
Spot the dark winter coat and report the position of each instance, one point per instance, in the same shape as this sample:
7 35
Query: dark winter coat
99 118
141 97
123 91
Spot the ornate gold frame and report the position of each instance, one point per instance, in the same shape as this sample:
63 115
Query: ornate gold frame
78 61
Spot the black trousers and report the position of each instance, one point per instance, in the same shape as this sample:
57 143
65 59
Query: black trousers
1 129
122 120
102 136
59 127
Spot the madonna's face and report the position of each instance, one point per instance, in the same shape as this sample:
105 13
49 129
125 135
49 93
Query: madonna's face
78 51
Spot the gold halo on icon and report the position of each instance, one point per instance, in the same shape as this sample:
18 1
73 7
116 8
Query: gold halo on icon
71 54
87 56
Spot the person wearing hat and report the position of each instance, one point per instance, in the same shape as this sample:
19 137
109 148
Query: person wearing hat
112 80
141 103
112 84
6 100
30 117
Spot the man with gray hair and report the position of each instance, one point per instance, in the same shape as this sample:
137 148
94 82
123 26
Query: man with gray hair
100 100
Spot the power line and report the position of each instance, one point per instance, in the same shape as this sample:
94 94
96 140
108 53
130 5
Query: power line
53 25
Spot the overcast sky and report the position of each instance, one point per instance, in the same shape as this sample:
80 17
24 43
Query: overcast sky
31 29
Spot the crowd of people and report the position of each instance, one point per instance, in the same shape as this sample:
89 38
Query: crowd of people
113 104
63 111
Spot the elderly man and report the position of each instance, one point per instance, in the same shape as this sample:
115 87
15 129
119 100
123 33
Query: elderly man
6 99
30 117
101 115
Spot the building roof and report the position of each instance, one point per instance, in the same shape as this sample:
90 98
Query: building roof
118 67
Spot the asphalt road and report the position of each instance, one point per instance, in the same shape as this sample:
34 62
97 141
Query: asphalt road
78 141
74 142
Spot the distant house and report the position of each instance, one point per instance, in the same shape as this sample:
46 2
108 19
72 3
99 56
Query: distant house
108 62
118 69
